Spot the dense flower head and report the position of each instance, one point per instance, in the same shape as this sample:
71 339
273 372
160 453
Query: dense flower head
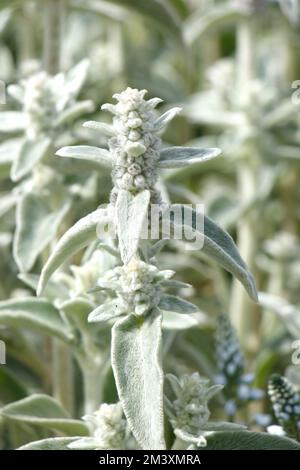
137 285
285 400
135 146
189 411
109 427
39 104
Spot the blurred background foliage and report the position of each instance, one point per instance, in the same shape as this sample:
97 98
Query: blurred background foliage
232 67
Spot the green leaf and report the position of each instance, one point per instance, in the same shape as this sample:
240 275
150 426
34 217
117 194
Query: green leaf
12 121
206 21
246 440
33 313
176 157
136 364
53 443
32 151
165 118
36 227
163 14
218 245
42 410
175 304
11 388
131 212
85 152
76 238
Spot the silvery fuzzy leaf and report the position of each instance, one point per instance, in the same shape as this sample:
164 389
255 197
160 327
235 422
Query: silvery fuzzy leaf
246 440
157 247
176 157
173 284
35 314
105 129
108 311
76 311
36 226
7 202
222 426
31 152
165 118
176 321
175 384
175 304
218 245
283 113
70 83
9 150
43 410
85 443
197 25
16 92
12 121
86 152
288 314
137 370
74 111
130 215
52 443
76 238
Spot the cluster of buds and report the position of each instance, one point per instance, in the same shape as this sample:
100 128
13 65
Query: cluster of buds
237 385
137 286
189 412
39 104
109 429
135 146
285 400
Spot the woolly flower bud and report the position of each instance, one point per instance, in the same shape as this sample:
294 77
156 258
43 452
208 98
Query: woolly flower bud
285 400
39 104
135 139
137 285
109 427
189 411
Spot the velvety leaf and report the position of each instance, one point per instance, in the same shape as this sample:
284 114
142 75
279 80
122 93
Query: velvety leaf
176 157
175 304
218 245
246 440
85 152
36 226
76 238
289 314
12 121
165 118
75 111
102 127
53 443
108 311
34 313
43 410
131 212
176 321
139 378
31 152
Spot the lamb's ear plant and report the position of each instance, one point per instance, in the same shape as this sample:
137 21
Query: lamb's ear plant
135 155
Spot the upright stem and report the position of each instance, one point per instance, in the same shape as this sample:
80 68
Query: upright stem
241 309
54 14
63 375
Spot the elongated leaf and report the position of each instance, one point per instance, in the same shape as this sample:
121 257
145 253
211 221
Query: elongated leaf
108 311
11 388
32 151
218 16
246 440
288 314
165 118
12 121
131 212
36 314
176 157
139 378
176 321
43 410
53 443
85 152
75 111
106 129
76 238
219 246
175 304
36 226
156 10
77 311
